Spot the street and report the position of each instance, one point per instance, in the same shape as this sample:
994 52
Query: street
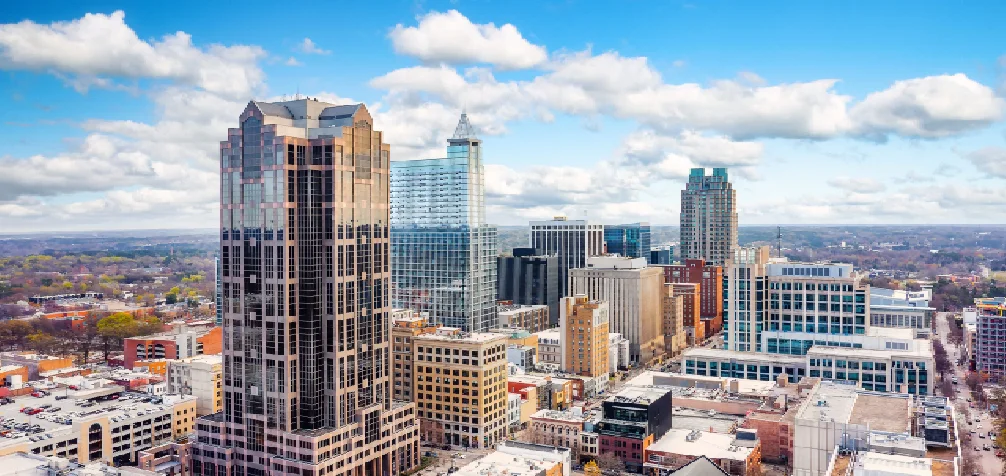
981 422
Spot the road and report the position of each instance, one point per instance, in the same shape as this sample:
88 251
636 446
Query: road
981 421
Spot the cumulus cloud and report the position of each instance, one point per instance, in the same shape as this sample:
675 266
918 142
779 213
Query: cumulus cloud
930 107
990 160
857 184
453 39
97 46
309 47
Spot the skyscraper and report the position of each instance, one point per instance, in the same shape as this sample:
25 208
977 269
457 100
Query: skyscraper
632 240
219 292
708 217
443 254
573 241
528 279
305 271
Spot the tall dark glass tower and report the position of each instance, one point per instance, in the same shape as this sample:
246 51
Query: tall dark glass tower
305 298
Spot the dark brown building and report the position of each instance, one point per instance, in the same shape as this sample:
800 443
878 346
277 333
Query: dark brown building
710 280
691 294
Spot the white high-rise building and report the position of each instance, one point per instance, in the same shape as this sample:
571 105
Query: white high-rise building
708 216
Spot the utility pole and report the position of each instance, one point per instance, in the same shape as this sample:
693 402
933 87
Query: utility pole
778 237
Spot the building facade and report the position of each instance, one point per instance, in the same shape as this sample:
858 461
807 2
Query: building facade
662 255
584 328
406 325
631 421
675 334
632 240
550 354
990 343
306 285
443 254
708 217
530 280
709 279
743 288
201 377
461 387
533 318
633 293
572 241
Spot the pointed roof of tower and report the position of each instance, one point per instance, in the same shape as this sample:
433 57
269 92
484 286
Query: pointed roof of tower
465 130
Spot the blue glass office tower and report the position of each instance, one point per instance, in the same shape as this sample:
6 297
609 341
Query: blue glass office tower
443 254
632 240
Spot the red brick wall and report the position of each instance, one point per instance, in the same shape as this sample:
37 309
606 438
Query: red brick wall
711 288
776 437
129 349
213 341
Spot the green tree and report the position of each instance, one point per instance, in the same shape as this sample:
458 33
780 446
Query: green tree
114 328
43 343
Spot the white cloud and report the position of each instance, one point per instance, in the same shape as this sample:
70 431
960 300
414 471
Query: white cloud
929 107
857 184
679 63
97 47
989 160
453 39
291 61
309 47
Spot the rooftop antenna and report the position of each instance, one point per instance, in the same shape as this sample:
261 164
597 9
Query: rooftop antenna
298 93
778 236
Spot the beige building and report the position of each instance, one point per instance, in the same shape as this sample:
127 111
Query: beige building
633 293
584 329
675 335
557 428
550 353
406 325
110 433
532 318
200 377
461 387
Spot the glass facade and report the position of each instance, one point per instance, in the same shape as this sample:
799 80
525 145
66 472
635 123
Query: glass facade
708 216
631 240
304 278
443 254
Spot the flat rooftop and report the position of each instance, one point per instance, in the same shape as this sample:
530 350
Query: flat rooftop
499 463
824 350
700 382
127 407
702 352
470 337
639 394
883 413
711 445
687 419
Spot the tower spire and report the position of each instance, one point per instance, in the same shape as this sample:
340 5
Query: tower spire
464 130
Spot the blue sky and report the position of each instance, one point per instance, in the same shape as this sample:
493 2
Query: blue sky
825 112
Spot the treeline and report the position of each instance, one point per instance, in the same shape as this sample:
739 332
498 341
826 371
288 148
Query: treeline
99 331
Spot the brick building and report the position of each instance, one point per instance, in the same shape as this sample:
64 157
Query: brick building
709 277
180 343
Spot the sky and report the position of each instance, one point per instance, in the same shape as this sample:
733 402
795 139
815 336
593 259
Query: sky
850 112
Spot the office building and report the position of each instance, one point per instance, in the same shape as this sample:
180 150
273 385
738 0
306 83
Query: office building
709 279
902 309
530 280
443 254
533 318
572 241
219 293
990 342
461 387
662 254
691 320
406 325
632 419
305 269
584 330
633 293
550 353
675 336
618 351
742 316
708 217
632 240
201 377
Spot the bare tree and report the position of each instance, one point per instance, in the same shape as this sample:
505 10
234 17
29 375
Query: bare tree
609 462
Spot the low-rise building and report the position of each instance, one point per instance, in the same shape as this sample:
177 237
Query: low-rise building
168 459
550 354
179 343
522 356
558 428
533 318
513 404
618 352
737 454
513 458
36 364
406 325
200 377
632 420
114 430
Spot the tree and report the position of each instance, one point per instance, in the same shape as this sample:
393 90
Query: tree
115 328
43 343
14 333
609 462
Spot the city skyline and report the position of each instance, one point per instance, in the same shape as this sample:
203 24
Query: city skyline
810 127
